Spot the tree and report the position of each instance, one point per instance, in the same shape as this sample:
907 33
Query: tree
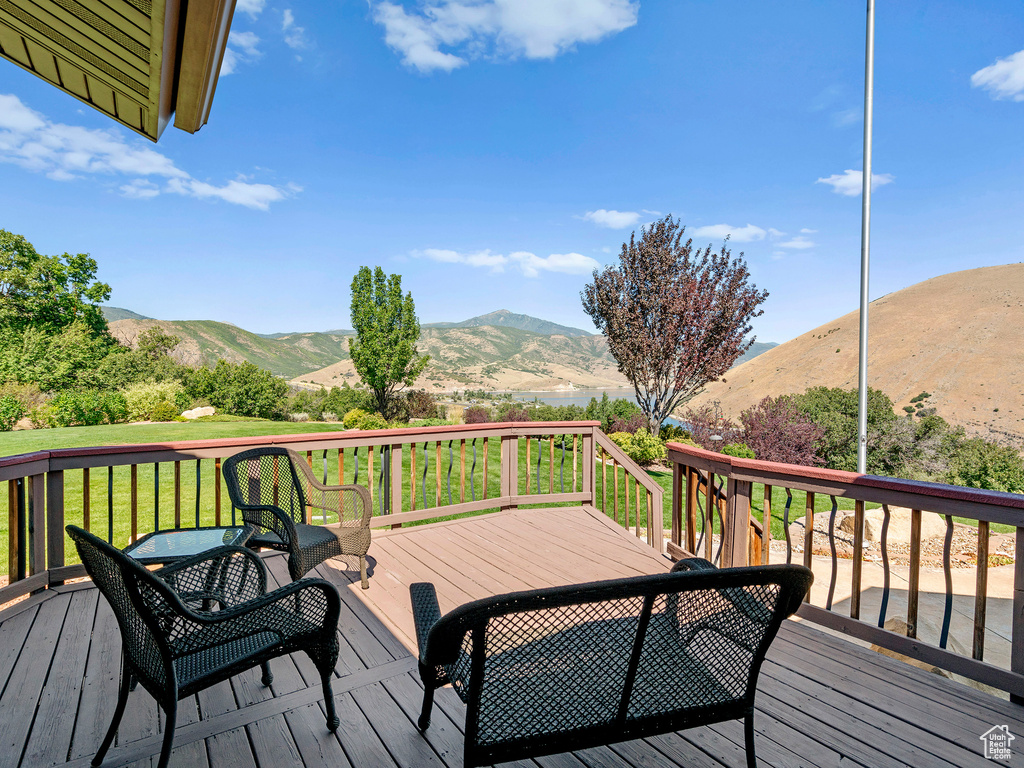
675 317
776 431
384 348
49 293
155 343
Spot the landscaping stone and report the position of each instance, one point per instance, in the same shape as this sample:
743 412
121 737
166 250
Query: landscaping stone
932 525
195 413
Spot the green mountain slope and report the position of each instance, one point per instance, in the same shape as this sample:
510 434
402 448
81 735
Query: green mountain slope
113 314
206 341
505 319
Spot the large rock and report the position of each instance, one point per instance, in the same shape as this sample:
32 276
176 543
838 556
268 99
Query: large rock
195 413
933 526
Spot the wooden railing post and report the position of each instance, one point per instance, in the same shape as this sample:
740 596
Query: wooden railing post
396 480
55 519
691 510
36 524
677 504
14 532
509 468
735 545
589 484
1017 629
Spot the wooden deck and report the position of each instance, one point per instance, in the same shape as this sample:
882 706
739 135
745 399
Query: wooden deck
822 701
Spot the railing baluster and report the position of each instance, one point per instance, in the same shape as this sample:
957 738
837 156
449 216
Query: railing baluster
528 463
437 473
199 486
426 466
14 533
561 474
575 462
615 489
486 478
412 476
692 494
308 512
216 491
636 493
914 580
110 504
86 499
720 503
383 490
177 494
981 592
22 526
785 526
947 613
832 549
369 473
808 534
858 557
604 480
885 566
766 524
540 455
551 465
156 496
462 470
451 460
625 486
134 501
472 470
710 502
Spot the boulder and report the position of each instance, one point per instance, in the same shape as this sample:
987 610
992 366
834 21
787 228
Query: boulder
195 413
933 526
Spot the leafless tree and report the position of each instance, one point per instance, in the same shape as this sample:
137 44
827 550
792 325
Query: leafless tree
675 317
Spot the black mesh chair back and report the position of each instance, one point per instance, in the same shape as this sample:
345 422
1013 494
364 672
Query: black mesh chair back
572 667
136 597
264 486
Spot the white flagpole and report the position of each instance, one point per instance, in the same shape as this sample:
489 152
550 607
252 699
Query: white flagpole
865 244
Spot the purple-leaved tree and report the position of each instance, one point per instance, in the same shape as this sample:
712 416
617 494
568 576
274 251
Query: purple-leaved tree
675 317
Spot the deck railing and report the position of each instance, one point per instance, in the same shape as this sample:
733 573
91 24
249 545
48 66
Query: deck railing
414 475
713 495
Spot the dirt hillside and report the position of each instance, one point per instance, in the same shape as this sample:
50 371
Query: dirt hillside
959 337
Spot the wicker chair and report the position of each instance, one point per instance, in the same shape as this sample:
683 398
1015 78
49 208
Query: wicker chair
566 668
174 647
273 488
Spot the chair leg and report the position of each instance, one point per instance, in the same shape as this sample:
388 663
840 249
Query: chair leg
165 752
127 683
748 735
428 705
268 676
332 716
362 572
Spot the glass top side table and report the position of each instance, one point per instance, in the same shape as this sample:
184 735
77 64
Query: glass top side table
169 546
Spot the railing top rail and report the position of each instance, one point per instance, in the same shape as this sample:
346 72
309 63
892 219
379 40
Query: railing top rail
775 471
407 434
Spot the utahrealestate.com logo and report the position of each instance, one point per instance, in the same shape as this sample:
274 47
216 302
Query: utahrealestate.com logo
997 742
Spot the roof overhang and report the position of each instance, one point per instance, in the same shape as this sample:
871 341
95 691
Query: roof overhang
137 61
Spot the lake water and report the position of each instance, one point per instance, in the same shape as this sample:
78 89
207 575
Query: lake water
580 397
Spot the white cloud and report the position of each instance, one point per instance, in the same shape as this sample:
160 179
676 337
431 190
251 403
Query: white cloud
846 117
505 29
798 243
612 219
294 36
528 263
252 7
242 48
1004 79
747 234
67 152
806 231
775 234
849 182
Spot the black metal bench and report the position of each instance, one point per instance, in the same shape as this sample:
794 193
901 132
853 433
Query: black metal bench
553 670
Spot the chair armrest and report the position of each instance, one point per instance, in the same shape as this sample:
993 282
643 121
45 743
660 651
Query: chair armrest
229 575
693 564
425 613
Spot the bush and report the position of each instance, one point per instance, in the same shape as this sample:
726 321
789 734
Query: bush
298 417
11 411
163 412
422 404
371 421
675 433
86 407
476 415
433 423
241 389
328 416
739 450
776 431
142 399
632 424
352 418
641 447
512 412
909 408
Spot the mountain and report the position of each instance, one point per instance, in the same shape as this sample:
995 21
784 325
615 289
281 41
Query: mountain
959 337
113 314
757 348
205 341
505 319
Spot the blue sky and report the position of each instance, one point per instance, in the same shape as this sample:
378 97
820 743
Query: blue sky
494 151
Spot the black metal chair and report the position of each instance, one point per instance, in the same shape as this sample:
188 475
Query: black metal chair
174 644
272 487
566 668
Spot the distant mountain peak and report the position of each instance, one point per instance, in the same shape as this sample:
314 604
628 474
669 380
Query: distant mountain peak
113 314
508 319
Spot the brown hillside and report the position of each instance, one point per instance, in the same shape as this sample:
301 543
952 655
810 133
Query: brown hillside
959 336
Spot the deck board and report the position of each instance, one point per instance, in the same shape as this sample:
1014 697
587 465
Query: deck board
822 701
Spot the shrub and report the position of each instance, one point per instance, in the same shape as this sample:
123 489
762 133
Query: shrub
86 407
328 416
775 430
675 433
422 404
476 415
241 389
372 421
11 410
433 423
641 447
909 408
739 450
163 412
142 399
41 416
513 412
632 424
352 418
298 417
